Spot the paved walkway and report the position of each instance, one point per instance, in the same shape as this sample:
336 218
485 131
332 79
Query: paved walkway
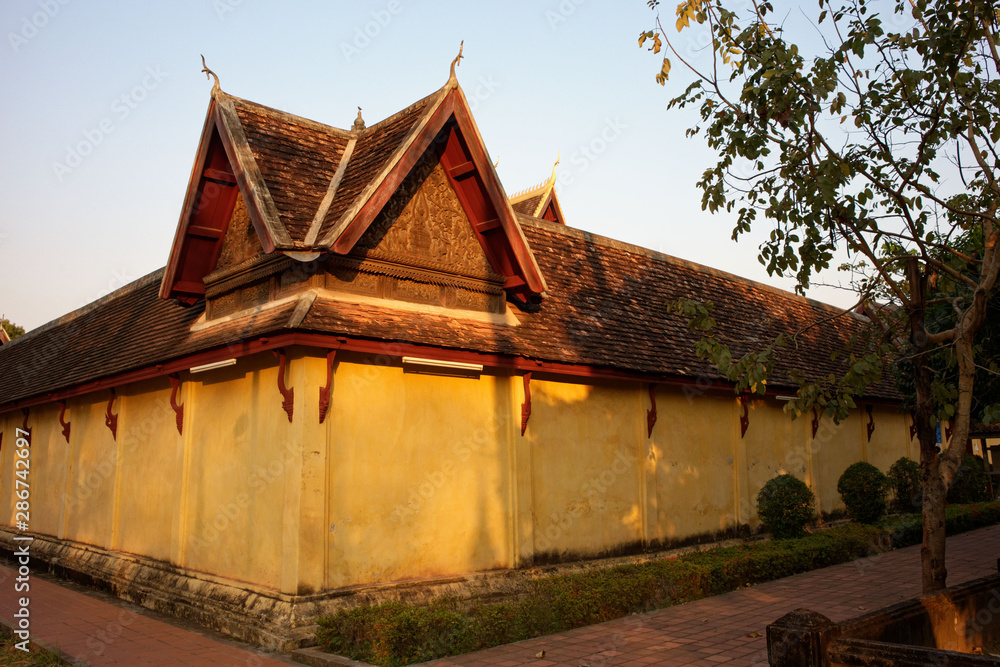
93 628
727 629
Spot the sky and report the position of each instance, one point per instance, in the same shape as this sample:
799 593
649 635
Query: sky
103 103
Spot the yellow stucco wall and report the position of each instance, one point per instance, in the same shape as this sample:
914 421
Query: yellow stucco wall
692 447
587 484
49 467
413 475
92 456
890 439
235 473
419 474
151 455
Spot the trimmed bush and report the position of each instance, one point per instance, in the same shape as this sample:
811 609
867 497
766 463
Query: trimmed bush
970 484
904 481
863 489
785 505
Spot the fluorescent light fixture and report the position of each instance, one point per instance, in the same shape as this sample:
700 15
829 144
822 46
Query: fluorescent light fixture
786 398
441 364
212 366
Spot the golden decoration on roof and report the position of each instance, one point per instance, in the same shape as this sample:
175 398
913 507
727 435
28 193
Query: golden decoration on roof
204 68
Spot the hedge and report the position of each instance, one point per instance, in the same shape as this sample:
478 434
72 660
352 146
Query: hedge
395 633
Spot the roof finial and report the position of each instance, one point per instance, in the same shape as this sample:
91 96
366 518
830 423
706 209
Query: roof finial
359 122
456 62
553 178
204 68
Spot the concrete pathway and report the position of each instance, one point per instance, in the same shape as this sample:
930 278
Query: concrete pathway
97 629
93 628
729 629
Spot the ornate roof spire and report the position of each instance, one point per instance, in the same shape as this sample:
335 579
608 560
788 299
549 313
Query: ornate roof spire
204 68
359 122
455 63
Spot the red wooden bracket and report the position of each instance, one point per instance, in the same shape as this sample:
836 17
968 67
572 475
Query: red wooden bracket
871 422
745 418
62 420
913 425
175 385
651 413
324 392
287 393
526 406
815 422
24 427
110 420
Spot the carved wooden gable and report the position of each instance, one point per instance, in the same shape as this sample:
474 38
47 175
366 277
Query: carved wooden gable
424 225
240 242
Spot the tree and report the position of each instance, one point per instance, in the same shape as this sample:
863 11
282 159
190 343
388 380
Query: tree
13 330
878 142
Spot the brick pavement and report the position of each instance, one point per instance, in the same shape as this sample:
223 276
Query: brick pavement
725 629
92 628
729 629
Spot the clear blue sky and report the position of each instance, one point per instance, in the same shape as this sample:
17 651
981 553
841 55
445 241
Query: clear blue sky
103 104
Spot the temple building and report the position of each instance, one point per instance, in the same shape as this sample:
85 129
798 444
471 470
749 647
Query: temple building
365 370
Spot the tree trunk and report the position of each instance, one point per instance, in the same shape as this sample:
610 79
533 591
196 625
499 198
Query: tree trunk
935 493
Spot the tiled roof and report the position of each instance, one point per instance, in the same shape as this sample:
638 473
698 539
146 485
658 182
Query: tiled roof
129 329
605 309
527 206
296 158
376 145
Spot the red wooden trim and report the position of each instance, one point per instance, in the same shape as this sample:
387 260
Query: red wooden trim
871 422
62 420
111 420
373 206
529 269
175 385
244 181
651 413
324 392
187 208
287 394
526 406
815 422
913 424
547 369
745 417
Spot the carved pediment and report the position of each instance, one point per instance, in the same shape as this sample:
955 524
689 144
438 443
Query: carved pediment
423 225
240 242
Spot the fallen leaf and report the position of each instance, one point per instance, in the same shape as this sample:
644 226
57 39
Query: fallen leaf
754 634
540 654
863 608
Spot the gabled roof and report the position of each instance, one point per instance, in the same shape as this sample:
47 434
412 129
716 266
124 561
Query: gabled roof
605 310
540 201
313 188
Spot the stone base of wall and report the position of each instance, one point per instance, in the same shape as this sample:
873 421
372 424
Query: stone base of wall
264 616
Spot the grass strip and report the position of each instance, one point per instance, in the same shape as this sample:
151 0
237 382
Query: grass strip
11 656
